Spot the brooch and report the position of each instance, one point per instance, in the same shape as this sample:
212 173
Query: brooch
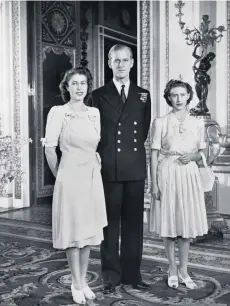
69 115
92 118
182 129
143 96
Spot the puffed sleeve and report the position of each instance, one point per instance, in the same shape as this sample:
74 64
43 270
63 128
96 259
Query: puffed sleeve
201 140
53 126
156 134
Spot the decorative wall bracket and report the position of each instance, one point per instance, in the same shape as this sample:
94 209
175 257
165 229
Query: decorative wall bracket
201 38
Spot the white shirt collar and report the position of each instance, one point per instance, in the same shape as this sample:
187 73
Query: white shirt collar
118 86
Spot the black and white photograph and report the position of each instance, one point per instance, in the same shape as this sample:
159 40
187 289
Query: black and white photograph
115 153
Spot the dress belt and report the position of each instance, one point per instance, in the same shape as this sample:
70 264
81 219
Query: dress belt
170 153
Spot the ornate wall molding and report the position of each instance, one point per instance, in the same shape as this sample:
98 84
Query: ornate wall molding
16 79
144 44
153 66
84 36
228 71
144 73
63 30
71 53
41 190
162 41
59 23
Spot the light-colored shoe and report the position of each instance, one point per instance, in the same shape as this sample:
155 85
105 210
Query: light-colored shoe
88 293
78 296
189 283
173 281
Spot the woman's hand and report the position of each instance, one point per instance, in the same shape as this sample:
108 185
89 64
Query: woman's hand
156 193
185 158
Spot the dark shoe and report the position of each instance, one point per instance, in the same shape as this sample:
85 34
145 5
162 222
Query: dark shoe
109 288
141 286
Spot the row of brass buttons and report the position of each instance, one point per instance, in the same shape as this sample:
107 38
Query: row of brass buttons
118 141
119 133
119 150
135 123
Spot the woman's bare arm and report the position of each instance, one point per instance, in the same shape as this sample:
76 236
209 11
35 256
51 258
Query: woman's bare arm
52 159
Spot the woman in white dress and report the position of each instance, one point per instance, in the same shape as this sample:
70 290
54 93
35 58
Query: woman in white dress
177 140
78 211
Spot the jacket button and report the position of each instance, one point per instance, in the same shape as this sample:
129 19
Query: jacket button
135 123
135 131
135 149
135 140
119 141
119 132
119 124
118 150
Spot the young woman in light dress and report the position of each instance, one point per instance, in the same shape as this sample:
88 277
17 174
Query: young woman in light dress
177 140
78 212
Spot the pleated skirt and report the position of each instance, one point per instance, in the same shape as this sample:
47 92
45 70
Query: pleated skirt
181 210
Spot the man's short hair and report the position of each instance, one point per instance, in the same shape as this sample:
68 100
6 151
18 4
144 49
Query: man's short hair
119 47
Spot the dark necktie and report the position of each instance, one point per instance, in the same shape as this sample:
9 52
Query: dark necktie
123 97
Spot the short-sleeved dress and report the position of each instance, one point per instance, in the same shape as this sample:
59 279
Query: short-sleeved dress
78 211
181 211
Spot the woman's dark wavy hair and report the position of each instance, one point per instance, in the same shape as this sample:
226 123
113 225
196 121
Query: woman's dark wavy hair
177 83
68 75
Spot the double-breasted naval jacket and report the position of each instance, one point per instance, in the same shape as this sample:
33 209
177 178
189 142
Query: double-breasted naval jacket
124 129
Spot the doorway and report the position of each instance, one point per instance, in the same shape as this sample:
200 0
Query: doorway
53 48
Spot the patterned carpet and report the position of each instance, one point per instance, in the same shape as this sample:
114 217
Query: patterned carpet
34 274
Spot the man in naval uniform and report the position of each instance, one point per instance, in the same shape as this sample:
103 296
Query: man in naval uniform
125 111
